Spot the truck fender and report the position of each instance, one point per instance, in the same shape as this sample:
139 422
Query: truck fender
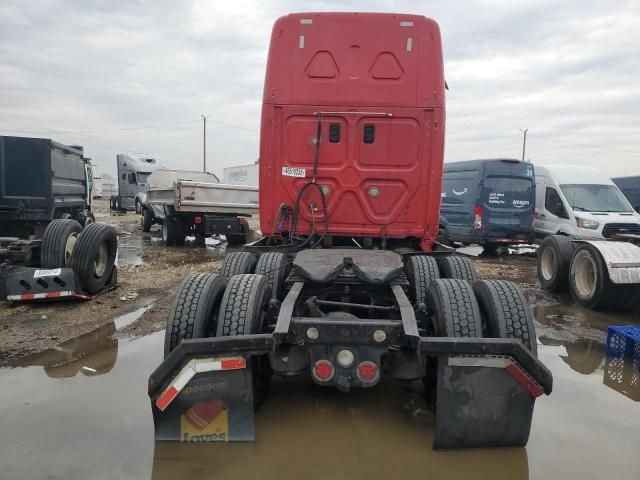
621 258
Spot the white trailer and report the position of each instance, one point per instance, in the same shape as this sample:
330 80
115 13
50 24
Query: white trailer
241 175
194 203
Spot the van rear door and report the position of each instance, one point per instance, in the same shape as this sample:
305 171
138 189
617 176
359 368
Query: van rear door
508 198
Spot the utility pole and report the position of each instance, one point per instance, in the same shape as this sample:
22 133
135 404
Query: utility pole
524 142
204 142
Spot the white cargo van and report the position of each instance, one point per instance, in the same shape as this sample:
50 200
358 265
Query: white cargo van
582 202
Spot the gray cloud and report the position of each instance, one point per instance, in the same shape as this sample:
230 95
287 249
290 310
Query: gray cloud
568 71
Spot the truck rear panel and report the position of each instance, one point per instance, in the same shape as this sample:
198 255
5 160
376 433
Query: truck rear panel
380 102
37 176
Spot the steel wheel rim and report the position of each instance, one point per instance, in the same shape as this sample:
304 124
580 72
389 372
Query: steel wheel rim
547 263
584 273
100 262
68 248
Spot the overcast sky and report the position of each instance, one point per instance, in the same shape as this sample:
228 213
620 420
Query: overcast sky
94 72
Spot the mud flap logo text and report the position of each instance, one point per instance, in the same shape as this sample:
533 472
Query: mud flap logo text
205 422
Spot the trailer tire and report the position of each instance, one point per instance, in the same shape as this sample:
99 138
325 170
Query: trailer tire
147 220
506 312
237 263
457 266
170 231
589 281
454 308
194 312
420 270
243 312
275 266
58 243
94 256
554 260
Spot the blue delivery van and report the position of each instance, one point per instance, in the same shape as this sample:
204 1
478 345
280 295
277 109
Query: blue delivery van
630 187
487 202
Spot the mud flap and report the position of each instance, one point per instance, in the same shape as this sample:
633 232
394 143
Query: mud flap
208 400
483 401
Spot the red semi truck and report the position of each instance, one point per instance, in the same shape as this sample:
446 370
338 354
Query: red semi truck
343 287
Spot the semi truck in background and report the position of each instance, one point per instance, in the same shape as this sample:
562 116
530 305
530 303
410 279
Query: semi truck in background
133 172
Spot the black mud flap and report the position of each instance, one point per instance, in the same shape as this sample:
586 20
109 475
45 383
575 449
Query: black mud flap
483 401
207 400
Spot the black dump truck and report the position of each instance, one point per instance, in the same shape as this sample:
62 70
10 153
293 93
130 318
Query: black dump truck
46 224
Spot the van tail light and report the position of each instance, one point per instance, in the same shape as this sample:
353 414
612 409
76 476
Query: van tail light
477 217
198 220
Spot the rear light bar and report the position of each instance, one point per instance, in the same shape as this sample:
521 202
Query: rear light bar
190 370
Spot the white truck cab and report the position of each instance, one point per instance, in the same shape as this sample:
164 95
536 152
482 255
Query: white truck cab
582 202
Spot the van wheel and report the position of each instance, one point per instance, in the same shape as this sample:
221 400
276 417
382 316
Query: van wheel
457 266
554 259
194 313
94 256
506 312
243 312
58 242
590 284
147 220
236 263
275 267
420 270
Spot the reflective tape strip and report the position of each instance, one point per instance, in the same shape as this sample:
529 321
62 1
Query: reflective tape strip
479 361
40 296
507 363
195 366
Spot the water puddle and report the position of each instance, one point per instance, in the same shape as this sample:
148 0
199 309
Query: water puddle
100 421
93 353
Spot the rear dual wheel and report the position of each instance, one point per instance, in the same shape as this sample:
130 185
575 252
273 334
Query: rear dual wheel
58 243
93 257
207 306
173 231
591 285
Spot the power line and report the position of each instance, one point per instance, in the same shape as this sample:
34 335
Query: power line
584 144
123 129
482 139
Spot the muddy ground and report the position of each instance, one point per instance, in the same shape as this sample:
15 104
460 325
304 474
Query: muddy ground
148 275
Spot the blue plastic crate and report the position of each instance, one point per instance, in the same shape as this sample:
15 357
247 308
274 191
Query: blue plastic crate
624 342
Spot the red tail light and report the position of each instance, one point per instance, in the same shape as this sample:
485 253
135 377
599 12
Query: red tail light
477 217
323 370
198 220
368 372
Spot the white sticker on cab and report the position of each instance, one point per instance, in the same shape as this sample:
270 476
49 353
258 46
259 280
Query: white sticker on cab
293 172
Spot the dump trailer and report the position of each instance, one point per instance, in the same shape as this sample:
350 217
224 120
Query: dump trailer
41 180
194 203
345 288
